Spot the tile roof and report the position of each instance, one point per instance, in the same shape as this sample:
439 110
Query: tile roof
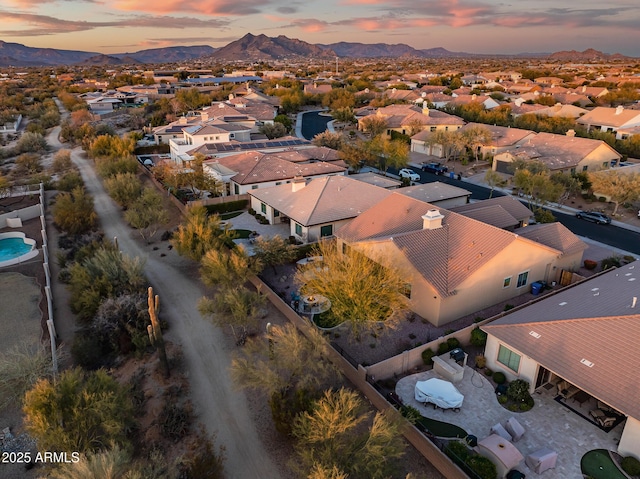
256 167
376 179
555 235
397 116
433 192
610 116
445 256
502 135
494 215
516 209
597 320
322 200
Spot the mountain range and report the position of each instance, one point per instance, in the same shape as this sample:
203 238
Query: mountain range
255 48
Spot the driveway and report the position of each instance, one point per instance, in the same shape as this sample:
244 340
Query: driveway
221 410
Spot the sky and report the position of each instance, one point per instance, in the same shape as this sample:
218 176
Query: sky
474 26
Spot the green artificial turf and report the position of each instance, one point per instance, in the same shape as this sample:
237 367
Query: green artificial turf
598 464
442 429
228 216
244 234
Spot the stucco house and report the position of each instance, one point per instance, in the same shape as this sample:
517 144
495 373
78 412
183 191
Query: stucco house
252 170
315 209
405 118
454 265
585 335
561 153
610 119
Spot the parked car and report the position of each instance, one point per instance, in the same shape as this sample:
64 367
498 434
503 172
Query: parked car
408 173
435 168
594 216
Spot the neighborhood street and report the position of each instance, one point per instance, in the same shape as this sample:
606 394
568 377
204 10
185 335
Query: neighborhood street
223 411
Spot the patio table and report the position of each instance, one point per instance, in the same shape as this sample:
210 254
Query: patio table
581 397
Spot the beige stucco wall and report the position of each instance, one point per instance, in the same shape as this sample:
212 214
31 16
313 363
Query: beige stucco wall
630 440
527 370
484 288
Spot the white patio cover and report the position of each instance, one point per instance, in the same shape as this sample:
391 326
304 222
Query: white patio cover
441 393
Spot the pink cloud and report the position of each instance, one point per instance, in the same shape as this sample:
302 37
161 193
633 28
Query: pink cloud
208 7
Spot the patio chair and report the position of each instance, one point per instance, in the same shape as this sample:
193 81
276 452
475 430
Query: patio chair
514 428
605 407
602 419
501 431
566 389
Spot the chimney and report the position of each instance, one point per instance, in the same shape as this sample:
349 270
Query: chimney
571 133
231 97
298 183
432 220
619 109
204 116
425 108
473 97
182 120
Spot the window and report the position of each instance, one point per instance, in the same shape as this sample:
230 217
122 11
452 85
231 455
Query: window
276 213
522 279
298 229
508 358
507 282
573 171
254 187
326 230
433 128
605 164
236 189
585 168
278 183
406 290
263 208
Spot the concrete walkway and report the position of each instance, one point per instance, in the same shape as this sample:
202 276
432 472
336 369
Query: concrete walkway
548 425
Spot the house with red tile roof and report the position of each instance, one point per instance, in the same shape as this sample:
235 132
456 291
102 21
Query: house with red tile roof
315 208
403 118
252 170
454 264
585 335
560 153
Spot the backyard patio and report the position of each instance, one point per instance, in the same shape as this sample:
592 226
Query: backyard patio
548 425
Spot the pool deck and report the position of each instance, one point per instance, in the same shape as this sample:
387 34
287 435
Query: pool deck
548 425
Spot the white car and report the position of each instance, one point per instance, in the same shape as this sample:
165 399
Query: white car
407 173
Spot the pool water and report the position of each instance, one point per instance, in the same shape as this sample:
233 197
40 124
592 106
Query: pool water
12 248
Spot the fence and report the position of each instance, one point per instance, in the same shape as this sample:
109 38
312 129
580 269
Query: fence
357 374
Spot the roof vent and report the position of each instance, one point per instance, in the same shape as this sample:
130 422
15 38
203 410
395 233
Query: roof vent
619 109
633 303
535 335
562 304
586 362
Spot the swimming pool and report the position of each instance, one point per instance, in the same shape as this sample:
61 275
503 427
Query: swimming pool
15 248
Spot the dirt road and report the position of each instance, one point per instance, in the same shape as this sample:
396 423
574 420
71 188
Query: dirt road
222 410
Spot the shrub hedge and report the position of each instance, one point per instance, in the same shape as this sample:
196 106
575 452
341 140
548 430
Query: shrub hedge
227 207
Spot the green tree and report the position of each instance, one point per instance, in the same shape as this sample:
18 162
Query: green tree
538 187
124 188
494 179
27 164
329 139
475 137
274 251
273 130
236 307
73 212
339 432
362 291
344 115
199 233
147 214
228 268
357 154
84 412
109 146
619 187
285 120
107 167
374 125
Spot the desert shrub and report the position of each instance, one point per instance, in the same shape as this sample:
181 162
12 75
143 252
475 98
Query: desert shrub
503 399
488 372
427 356
89 351
610 262
73 212
518 390
499 377
410 413
205 463
631 466
69 181
453 343
175 419
478 337
285 406
544 216
457 451
481 361
443 348
482 466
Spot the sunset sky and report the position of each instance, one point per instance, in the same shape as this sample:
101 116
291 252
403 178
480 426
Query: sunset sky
475 26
